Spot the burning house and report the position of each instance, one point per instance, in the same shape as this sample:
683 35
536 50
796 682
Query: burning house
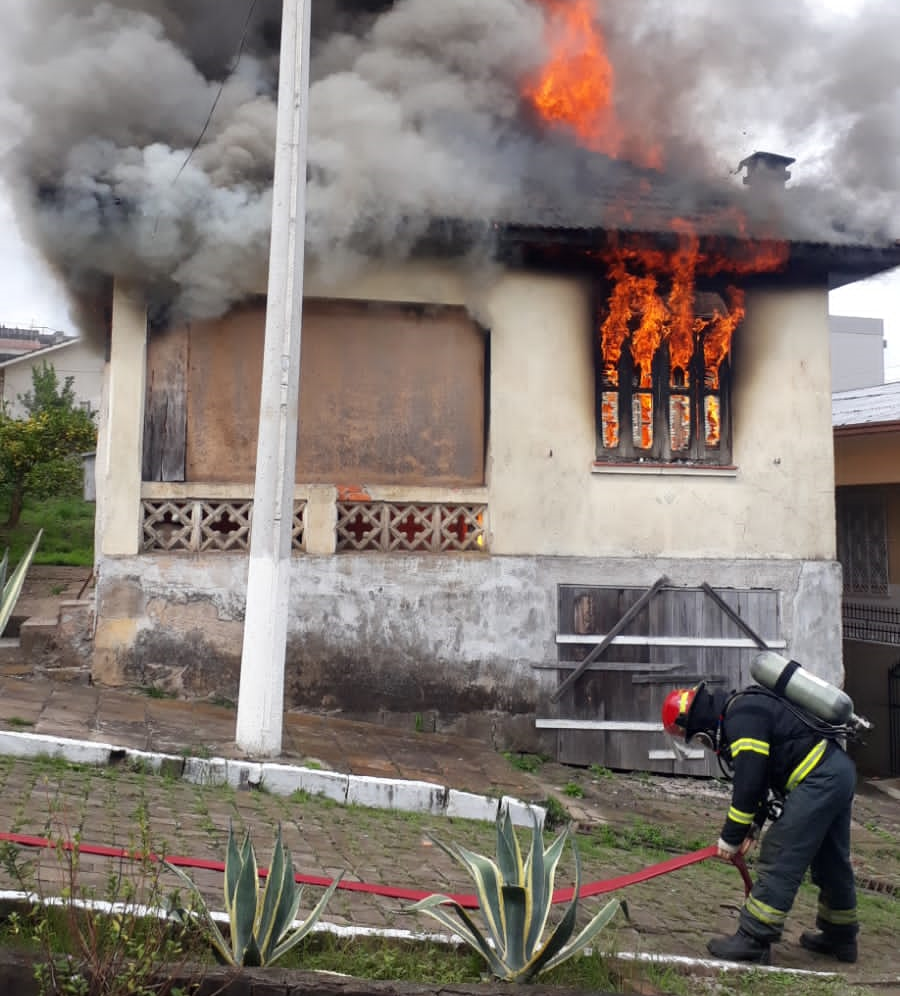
565 397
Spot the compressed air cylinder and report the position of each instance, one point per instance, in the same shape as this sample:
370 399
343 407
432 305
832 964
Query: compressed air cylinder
802 688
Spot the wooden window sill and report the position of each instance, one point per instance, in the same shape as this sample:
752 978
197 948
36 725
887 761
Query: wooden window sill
664 469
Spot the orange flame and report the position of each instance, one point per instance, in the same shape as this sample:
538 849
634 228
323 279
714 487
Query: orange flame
576 87
642 420
632 297
685 326
680 422
713 411
717 341
640 316
610 419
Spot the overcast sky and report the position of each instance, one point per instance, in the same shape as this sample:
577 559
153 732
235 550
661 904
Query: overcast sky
31 296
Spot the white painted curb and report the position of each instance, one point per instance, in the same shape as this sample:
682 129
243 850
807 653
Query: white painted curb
280 779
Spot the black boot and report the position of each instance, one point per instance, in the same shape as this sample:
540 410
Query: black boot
740 947
844 949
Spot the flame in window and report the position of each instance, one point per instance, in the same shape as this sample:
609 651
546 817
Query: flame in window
713 411
653 302
642 420
717 341
610 419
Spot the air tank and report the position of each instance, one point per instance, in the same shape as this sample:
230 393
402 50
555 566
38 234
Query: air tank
804 689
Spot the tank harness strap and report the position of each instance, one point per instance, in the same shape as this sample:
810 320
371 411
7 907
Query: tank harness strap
785 677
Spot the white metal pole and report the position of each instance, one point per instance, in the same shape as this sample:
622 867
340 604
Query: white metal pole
261 696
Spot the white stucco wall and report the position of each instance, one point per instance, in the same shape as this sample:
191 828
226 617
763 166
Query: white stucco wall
544 494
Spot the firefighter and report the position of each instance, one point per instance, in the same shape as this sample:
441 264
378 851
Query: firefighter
775 751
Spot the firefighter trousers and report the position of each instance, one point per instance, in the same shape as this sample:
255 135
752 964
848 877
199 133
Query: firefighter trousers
813 833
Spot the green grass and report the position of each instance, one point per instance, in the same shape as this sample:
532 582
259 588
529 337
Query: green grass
641 835
18 722
68 525
526 762
153 692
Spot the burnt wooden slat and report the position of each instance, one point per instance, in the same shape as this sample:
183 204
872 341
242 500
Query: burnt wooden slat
165 412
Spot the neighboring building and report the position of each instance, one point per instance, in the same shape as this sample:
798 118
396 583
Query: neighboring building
867 476
857 352
16 342
493 468
79 359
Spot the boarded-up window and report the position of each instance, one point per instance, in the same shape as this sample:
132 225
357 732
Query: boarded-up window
390 394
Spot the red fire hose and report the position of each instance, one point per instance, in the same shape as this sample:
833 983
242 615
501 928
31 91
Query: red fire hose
394 892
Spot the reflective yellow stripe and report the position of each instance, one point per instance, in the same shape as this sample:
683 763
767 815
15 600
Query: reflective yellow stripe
765 914
806 765
736 816
683 703
840 918
747 744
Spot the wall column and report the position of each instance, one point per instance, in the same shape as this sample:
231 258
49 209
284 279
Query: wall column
119 457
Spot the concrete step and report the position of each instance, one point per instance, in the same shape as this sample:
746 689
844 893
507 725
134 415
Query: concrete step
37 635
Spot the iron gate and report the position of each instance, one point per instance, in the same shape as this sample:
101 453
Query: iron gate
894 710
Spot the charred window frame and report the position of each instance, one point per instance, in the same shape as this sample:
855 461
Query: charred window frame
680 419
862 541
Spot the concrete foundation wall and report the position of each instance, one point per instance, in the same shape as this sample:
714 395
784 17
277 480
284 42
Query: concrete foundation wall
447 637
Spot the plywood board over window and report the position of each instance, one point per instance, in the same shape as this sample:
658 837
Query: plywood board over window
390 394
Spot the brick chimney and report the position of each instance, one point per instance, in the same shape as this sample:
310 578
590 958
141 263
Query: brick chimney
766 170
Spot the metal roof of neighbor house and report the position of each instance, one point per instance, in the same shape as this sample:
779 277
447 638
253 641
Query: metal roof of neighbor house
866 406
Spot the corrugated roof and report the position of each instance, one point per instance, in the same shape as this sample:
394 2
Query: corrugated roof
866 406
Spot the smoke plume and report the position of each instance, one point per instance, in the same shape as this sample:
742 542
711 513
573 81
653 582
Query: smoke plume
143 131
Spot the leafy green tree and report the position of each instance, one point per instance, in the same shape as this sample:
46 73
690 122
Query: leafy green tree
46 392
40 453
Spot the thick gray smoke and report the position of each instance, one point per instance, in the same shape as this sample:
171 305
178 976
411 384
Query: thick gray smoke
144 129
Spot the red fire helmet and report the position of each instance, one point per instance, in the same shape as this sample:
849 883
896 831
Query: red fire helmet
675 711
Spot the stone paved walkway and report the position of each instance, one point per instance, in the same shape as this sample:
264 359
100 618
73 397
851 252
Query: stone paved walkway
130 719
115 806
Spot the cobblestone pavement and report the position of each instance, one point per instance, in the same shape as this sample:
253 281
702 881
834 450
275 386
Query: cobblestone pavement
622 823
115 807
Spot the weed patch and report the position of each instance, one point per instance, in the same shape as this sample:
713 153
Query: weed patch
18 723
526 762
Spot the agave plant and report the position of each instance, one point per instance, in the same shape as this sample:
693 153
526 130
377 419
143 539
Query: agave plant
262 925
515 897
11 589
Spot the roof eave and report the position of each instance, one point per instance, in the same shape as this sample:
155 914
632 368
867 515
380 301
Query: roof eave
867 428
